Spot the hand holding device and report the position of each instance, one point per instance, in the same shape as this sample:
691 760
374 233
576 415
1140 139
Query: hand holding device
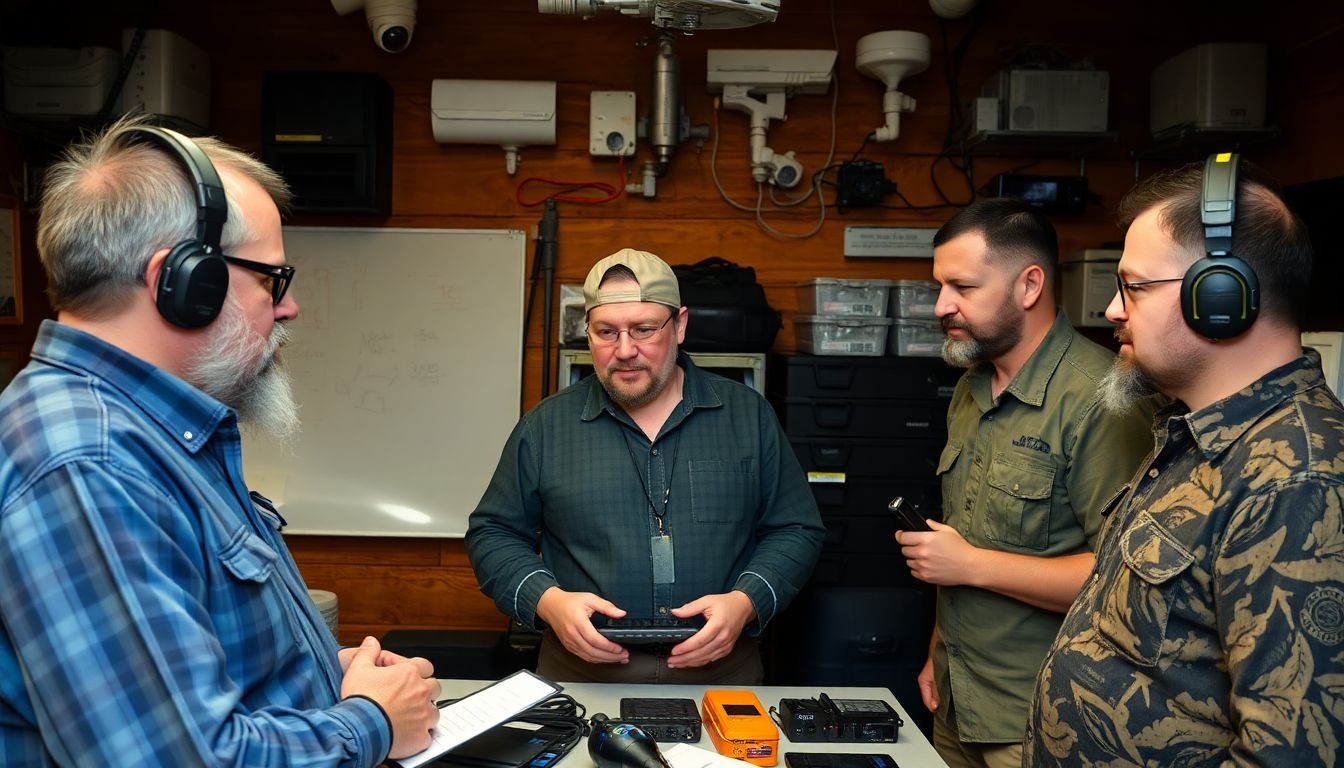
907 516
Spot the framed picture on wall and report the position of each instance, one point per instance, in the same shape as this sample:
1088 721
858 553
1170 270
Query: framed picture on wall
11 279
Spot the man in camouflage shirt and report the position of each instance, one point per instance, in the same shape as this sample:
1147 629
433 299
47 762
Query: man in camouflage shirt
1212 629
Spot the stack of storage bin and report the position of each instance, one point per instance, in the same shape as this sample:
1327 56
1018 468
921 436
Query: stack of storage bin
843 317
915 331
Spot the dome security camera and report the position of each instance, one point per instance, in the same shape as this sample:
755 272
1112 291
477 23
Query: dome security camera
392 22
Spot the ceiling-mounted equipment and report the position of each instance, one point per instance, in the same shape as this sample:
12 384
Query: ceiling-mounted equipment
744 75
951 9
392 22
684 15
510 113
891 57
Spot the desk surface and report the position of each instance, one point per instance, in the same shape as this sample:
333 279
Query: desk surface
911 751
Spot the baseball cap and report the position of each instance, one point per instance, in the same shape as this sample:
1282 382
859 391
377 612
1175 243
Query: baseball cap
657 281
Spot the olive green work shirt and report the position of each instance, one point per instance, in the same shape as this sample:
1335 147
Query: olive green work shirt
1029 472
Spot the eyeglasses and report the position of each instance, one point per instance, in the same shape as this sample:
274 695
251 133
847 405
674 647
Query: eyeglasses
609 336
279 277
1121 286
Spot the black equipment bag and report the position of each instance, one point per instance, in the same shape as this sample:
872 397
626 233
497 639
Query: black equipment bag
726 306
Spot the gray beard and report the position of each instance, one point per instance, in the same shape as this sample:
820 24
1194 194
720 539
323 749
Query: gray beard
962 353
1123 385
244 372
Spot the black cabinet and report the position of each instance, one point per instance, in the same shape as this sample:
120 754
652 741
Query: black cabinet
865 429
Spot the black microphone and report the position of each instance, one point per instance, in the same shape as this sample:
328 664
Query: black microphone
622 745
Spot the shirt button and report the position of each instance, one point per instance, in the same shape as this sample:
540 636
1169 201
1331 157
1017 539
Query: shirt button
1016 488
187 435
663 610
655 451
990 417
1152 473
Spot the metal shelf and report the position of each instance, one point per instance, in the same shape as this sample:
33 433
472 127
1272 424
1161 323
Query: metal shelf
1191 143
1047 143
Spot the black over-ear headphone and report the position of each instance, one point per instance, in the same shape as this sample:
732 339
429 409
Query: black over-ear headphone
194 278
1220 295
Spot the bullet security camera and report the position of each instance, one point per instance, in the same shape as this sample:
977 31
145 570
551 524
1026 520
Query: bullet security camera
391 21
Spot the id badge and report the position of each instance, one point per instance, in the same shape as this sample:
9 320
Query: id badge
663 570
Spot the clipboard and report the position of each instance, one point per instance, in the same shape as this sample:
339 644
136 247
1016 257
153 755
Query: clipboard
478 712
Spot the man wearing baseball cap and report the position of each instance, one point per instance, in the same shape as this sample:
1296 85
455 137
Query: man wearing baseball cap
653 490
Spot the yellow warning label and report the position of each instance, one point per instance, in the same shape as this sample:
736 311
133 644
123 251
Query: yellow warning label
825 477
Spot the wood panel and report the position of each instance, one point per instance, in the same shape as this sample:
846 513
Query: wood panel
385 583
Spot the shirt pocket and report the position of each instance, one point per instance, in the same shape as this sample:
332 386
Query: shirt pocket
724 491
1137 602
1018 506
247 557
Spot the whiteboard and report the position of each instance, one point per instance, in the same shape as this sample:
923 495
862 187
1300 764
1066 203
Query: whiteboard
407 366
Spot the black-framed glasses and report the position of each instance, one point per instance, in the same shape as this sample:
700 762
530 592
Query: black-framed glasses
280 276
644 332
1121 286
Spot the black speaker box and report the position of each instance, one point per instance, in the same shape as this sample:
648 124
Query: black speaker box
330 135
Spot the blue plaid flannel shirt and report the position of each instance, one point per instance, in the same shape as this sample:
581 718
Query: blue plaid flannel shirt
149 613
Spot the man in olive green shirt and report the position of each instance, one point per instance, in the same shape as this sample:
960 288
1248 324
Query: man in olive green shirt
1030 461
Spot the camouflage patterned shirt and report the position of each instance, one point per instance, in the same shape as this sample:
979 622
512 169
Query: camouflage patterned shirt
1212 628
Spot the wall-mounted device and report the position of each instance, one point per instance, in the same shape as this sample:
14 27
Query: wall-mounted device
58 82
330 135
170 78
685 15
611 123
1052 194
510 113
891 57
951 9
392 22
1051 100
1215 86
1088 285
742 76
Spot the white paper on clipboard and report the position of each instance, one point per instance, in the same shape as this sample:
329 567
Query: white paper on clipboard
478 712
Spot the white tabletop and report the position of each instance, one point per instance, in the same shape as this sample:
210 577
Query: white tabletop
911 751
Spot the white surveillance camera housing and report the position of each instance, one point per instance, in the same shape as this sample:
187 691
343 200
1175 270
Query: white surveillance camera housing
392 22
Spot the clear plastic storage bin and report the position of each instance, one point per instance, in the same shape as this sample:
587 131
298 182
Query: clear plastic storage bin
914 298
916 338
847 298
823 335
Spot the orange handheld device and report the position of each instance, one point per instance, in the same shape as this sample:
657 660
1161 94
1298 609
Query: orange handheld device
739 726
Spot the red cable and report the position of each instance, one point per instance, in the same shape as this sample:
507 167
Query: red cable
569 187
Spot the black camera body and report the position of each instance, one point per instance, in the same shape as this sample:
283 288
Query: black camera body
823 719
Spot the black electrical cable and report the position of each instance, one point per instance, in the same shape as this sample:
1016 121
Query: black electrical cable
564 717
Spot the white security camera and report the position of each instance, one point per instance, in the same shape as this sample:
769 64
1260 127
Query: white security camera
391 21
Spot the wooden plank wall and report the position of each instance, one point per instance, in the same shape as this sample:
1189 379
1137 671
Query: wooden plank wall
427 582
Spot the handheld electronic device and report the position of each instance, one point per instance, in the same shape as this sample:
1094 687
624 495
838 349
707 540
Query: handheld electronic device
629 631
822 719
739 727
838 760
663 719
907 515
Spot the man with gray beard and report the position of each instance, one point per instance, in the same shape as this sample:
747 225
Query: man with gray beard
150 613
653 489
1031 459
